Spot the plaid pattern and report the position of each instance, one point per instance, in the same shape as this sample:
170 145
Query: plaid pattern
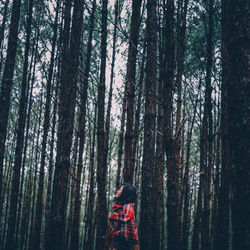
122 224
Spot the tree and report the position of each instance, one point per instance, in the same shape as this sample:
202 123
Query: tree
101 170
128 170
67 100
237 14
146 214
7 82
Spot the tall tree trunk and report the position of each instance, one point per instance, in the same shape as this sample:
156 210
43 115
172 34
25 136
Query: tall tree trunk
20 139
7 82
2 31
138 108
101 170
107 120
180 69
89 223
237 45
222 238
36 244
206 136
128 170
121 140
81 121
169 144
148 164
67 100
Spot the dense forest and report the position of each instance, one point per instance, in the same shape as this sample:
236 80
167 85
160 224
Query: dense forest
154 93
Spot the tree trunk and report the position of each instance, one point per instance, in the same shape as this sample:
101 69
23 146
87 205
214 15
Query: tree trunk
169 143
36 243
101 170
148 163
207 136
2 31
81 121
67 100
128 170
237 45
20 140
6 85
89 223
222 238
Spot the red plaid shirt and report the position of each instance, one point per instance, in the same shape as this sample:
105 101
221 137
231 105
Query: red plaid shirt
122 224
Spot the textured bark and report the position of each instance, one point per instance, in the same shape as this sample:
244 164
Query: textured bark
7 81
148 163
169 143
37 135
197 222
138 109
186 185
222 237
121 141
128 169
180 62
20 140
67 101
89 223
36 243
207 136
81 121
107 120
2 31
159 169
237 45
101 169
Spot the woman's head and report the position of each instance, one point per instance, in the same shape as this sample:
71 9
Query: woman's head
126 194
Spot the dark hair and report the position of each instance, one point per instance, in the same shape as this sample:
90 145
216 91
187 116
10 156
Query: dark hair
128 195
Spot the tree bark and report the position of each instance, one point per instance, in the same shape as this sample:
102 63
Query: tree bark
101 169
128 169
7 82
237 45
169 143
36 243
222 237
67 101
148 163
82 121
20 140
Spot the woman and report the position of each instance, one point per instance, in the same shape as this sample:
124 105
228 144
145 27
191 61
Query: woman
122 232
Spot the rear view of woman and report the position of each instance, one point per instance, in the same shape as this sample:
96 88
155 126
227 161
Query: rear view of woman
122 232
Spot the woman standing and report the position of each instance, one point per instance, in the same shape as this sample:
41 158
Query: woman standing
122 232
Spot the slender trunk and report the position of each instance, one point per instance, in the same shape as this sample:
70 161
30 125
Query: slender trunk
207 137
6 86
36 244
180 69
35 173
128 170
2 31
67 101
121 140
169 143
222 238
81 120
107 120
238 34
91 198
101 168
20 140
148 163
138 108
